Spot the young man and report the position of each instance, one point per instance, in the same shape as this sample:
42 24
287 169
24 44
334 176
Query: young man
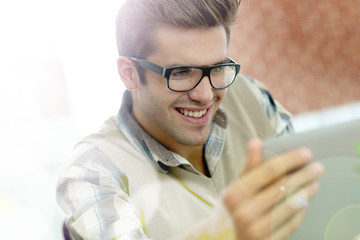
174 162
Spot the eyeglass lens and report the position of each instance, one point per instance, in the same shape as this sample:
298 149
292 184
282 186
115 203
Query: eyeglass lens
182 79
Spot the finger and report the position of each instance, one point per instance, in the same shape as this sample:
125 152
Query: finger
254 157
258 205
301 182
292 203
295 181
267 230
254 154
273 169
247 187
285 231
279 215
279 207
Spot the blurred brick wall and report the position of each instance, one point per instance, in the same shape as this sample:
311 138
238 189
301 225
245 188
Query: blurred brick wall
307 52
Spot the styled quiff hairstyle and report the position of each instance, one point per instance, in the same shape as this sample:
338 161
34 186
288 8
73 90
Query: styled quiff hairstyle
137 20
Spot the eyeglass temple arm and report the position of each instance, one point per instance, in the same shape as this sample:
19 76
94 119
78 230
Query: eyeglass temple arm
238 65
148 65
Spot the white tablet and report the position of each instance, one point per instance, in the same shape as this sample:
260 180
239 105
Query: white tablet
334 213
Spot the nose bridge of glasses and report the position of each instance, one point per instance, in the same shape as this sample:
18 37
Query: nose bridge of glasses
197 77
204 72
203 81
216 81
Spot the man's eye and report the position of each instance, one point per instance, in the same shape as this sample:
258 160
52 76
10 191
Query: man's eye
181 72
218 69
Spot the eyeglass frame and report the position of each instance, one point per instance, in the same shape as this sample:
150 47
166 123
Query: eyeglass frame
206 70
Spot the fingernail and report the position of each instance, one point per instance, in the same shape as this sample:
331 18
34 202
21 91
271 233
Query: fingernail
315 185
306 153
302 201
318 168
299 200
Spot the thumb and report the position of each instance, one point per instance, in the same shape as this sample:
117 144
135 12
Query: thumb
254 154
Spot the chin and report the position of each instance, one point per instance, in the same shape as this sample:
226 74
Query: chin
191 140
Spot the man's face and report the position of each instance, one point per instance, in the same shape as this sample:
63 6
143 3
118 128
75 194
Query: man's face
183 118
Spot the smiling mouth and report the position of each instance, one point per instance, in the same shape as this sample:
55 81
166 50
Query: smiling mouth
194 114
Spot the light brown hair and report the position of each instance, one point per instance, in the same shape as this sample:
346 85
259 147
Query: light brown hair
137 20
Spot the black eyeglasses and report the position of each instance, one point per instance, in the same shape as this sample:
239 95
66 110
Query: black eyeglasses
186 78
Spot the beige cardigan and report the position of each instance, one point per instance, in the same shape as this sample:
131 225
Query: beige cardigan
168 205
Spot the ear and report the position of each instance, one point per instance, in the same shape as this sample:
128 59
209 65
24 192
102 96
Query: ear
128 73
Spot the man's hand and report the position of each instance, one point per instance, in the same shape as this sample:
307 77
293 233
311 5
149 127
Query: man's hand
269 199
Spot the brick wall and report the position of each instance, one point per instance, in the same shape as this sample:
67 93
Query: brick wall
307 52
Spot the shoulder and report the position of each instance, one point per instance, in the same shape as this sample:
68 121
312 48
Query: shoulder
244 87
252 94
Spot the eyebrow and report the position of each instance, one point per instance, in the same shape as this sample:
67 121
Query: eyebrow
226 60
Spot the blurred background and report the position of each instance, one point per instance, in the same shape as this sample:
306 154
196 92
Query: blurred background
59 82
306 52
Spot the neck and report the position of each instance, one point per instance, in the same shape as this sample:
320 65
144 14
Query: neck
195 155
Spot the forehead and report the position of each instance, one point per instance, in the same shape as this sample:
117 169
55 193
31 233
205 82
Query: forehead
189 46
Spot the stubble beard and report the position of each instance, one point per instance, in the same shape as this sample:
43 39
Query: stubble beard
197 137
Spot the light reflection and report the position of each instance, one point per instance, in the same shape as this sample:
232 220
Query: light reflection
58 81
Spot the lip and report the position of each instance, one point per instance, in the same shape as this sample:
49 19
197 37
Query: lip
196 121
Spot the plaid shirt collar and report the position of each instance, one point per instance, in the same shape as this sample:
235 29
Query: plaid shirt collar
161 157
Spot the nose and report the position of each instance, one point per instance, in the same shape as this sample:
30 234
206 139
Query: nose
203 92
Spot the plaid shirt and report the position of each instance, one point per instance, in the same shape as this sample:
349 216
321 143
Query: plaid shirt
80 197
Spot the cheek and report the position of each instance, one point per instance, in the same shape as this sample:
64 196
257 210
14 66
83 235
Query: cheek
221 94
157 101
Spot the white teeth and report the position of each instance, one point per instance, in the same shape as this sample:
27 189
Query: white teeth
194 114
